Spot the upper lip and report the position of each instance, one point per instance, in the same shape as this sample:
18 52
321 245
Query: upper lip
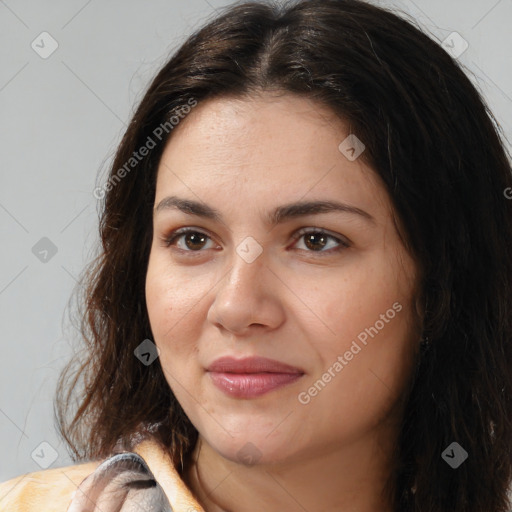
251 364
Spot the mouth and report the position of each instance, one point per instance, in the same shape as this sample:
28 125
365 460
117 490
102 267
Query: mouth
251 377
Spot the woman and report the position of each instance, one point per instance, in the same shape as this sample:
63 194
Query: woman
304 296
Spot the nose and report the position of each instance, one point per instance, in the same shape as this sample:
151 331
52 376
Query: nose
248 297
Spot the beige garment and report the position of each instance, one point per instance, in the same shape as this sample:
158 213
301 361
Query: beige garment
57 489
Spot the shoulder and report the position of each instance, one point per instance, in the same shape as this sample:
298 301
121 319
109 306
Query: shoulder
34 491
144 479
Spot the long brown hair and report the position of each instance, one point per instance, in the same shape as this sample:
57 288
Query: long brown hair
438 149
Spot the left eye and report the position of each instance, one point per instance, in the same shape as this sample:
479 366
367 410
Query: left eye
320 239
314 240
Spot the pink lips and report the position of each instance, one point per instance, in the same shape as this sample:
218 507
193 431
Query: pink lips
252 376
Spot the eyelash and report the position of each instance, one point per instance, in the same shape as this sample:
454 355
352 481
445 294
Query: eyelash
170 239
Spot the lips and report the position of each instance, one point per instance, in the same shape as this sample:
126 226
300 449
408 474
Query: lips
251 377
251 365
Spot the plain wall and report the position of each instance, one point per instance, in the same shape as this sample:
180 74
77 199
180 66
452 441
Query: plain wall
60 120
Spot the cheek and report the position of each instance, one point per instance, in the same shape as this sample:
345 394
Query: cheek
172 310
174 328
368 313
354 300
170 296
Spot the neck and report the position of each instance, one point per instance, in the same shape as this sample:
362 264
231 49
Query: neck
345 479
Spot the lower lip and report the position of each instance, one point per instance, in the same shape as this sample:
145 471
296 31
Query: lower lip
250 385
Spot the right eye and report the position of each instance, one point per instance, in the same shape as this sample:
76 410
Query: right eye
193 239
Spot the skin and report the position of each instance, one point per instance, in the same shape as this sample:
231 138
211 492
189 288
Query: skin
301 304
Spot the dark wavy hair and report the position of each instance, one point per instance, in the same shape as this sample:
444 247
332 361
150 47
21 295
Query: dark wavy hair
432 139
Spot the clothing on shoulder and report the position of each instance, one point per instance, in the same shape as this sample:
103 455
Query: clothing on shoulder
142 479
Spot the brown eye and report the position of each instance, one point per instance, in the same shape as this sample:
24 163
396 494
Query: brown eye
317 240
193 240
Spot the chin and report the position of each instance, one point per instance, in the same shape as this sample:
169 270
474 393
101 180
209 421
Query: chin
250 450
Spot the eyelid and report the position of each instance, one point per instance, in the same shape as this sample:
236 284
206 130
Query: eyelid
312 230
343 242
176 233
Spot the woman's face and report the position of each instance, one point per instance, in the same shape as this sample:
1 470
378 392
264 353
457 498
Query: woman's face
336 307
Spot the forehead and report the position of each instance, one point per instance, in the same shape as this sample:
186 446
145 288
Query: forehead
265 145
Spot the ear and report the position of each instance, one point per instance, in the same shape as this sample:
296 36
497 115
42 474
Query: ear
122 483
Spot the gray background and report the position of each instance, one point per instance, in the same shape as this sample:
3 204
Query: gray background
61 118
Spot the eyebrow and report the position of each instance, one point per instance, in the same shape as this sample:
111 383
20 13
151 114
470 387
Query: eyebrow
275 217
